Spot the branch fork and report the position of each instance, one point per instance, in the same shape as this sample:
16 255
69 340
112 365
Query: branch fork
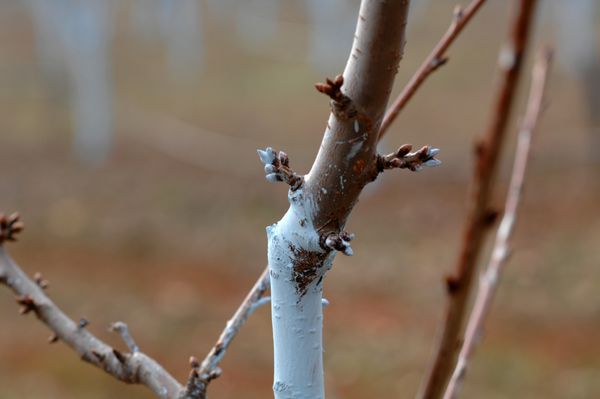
277 168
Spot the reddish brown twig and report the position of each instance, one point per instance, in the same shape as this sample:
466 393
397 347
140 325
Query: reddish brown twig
500 252
478 218
434 60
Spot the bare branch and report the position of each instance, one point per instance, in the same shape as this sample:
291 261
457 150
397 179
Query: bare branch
436 59
132 368
478 219
209 369
489 281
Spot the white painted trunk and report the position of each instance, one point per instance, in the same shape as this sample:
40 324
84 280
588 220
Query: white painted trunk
297 265
303 244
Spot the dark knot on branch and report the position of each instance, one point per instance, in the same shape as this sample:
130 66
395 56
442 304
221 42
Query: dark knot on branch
27 304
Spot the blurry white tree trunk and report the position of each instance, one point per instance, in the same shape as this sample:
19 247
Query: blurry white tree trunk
75 34
177 23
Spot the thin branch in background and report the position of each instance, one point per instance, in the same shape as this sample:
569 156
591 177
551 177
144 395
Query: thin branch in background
132 368
436 59
500 252
209 369
480 215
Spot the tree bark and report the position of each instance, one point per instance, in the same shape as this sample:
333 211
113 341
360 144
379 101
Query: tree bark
303 244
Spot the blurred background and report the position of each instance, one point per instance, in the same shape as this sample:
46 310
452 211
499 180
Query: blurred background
128 143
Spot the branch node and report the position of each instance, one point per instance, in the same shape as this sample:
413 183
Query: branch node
10 226
458 13
120 356
27 304
452 285
122 329
438 62
98 356
83 323
490 217
53 339
197 382
194 363
341 104
277 168
40 281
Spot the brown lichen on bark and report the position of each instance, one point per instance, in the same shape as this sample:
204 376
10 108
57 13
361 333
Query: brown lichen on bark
307 266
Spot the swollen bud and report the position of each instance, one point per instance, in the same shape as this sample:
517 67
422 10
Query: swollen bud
403 150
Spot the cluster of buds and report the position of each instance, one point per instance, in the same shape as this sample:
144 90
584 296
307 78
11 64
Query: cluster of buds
340 103
332 88
403 158
340 242
277 168
9 227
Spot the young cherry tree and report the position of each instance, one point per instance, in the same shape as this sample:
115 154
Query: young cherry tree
302 245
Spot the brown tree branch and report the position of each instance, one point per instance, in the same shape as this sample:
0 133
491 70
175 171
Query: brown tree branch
347 160
132 368
489 281
434 60
479 216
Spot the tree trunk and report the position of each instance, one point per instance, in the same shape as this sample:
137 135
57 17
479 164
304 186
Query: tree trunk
303 244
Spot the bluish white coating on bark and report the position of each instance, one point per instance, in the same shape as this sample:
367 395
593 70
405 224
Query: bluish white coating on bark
296 313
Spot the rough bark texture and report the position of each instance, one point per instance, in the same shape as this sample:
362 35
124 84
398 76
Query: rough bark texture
302 245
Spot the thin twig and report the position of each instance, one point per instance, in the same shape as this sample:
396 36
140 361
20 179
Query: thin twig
500 253
436 59
209 369
132 368
122 329
480 216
